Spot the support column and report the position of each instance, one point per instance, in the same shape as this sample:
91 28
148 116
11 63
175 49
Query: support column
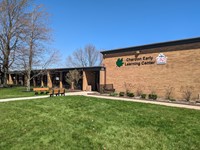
102 80
85 82
10 80
49 81
61 79
42 82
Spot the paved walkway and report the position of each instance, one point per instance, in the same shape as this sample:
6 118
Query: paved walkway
22 98
107 97
39 97
145 101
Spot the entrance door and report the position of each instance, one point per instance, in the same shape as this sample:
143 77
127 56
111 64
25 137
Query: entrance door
96 88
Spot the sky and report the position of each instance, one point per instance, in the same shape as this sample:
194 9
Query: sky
111 24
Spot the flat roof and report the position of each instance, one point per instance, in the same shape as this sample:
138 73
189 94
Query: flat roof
93 68
78 68
154 45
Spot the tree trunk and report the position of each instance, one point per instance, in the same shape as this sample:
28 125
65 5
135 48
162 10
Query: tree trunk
5 77
5 72
28 85
72 85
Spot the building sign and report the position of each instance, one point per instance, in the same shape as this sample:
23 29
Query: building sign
119 62
161 59
135 61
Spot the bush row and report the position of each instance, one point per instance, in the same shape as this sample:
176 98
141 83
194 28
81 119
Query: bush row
130 94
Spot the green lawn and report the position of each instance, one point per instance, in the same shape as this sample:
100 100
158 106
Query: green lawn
77 122
14 92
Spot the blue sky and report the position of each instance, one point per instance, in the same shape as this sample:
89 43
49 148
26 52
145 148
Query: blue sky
110 24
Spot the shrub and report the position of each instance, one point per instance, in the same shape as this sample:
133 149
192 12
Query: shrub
121 93
130 94
101 88
152 89
113 94
127 93
150 96
187 92
139 90
143 96
128 87
153 96
171 99
168 92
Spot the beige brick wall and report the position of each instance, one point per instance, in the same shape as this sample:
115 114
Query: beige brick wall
88 80
182 69
102 77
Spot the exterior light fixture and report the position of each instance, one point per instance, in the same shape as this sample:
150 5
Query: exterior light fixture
137 52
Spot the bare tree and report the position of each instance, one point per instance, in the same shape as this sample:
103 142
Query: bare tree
73 76
87 57
169 92
11 28
33 54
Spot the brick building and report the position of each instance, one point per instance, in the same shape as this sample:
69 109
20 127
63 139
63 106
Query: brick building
155 68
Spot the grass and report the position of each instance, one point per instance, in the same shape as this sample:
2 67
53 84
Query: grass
77 122
14 92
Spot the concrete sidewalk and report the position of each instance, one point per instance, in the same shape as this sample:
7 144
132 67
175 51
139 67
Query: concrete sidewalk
39 97
88 94
149 102
22 98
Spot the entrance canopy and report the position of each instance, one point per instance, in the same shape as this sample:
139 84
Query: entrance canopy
92 77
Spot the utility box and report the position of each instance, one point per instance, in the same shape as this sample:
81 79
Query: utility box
89 88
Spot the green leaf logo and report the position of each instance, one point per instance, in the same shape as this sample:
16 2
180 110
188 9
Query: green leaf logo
119 62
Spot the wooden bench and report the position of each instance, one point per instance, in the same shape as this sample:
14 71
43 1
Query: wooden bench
108 88
57 92
51 92
41 90
62 91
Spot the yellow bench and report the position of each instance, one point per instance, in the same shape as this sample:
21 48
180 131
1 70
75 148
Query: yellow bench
57 92
41 90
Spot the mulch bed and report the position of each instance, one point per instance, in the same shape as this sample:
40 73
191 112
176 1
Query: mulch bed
184 102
